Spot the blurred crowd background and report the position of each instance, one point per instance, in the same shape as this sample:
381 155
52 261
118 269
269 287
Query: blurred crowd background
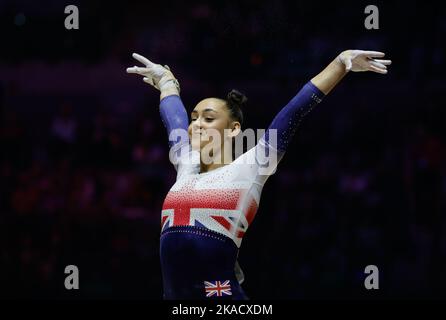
84 167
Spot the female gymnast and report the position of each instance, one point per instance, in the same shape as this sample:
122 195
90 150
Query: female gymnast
209 208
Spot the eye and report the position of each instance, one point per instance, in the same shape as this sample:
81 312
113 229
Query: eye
209 119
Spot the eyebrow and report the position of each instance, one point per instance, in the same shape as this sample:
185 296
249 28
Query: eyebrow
207 109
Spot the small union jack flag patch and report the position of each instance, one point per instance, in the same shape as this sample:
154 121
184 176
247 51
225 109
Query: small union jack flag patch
217 288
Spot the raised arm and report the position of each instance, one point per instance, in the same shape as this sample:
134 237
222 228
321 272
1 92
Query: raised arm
173 113
287 120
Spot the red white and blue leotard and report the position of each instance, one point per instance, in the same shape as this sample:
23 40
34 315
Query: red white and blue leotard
205 215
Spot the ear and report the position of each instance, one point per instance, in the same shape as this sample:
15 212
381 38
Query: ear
235 129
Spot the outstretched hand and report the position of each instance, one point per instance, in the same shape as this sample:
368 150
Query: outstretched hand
359 60
154 74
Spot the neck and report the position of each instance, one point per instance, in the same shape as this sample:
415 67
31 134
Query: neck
220 159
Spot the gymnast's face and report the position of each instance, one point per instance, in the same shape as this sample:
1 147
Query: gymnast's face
211 117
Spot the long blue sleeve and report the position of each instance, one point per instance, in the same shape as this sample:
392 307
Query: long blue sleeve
288 119
174 116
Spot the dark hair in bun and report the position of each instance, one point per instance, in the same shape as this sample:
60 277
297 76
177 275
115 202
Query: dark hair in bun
235 101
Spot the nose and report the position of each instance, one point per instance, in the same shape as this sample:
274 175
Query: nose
196 125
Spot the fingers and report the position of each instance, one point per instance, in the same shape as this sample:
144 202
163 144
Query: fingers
142 59
377 70
373 54
132 69
149 81
377 64
138 70
384 62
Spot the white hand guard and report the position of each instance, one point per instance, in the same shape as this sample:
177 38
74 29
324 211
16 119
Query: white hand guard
359 60
155 74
